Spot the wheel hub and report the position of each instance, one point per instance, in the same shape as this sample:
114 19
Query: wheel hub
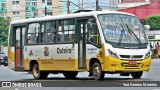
96 71
35 71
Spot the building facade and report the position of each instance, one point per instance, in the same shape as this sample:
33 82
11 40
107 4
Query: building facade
143 11
22 9
123 4
3 9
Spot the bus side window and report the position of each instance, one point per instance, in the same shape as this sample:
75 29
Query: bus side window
48 32
52 34
59 37
42 33
17 43
33 33
66 30
94 36
51 31
31 39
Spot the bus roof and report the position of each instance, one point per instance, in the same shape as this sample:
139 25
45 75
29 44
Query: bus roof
81 14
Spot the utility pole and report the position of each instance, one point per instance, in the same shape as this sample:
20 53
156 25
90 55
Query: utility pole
98 8
97 1
82 3
113 5
78 2
45 11
68 4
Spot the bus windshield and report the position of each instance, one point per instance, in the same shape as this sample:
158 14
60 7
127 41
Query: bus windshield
121 28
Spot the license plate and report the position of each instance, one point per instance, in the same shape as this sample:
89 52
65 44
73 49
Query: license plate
132 62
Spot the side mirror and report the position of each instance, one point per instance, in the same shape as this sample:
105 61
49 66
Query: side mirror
146 27
93 20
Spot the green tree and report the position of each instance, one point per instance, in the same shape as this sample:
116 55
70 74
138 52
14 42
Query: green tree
4 26
153 21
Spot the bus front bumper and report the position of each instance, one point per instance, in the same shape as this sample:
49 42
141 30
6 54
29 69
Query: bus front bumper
112 64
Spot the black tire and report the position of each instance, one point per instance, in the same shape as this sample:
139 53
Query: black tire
97 72
137 74
70 74
5 64
37 74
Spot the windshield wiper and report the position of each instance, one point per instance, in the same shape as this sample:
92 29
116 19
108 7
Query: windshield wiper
120 39
131 32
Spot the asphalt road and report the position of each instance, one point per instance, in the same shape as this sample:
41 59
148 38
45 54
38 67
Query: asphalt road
58 80
153 75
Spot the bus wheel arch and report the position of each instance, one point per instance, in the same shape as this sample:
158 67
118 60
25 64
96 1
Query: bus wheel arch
93 64
32 63
37 74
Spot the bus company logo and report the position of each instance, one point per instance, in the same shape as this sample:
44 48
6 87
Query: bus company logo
64 50
46 51
132 56
31 53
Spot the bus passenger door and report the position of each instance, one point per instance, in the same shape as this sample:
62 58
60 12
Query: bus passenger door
81 32
19 45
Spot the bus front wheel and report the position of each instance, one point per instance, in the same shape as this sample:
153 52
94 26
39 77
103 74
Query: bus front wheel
37 74
136 74
70 74
98 74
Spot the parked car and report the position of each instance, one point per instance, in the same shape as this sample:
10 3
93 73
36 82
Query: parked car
3 59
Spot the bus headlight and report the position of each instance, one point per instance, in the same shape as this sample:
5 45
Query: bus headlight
113 54
147 55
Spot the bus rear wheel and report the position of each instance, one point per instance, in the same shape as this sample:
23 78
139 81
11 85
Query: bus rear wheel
137 74
98 74
37 74
70 74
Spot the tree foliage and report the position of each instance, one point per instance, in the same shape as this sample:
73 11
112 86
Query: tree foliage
4 26
153 21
